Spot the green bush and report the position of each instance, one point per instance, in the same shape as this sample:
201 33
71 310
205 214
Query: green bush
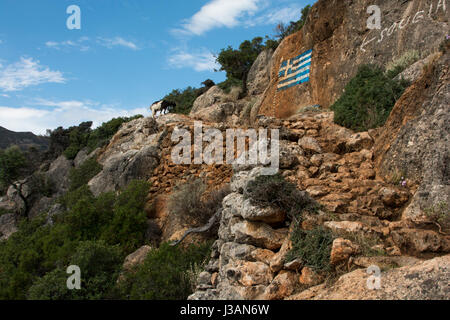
313 247
164 273
129 222
368 99
397 66
188 201
82 175
99 265
229 83
70 141
12 162
277 192
237 62
100 136
32 256
185 99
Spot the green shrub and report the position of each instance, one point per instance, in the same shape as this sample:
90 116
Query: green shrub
185 98
313 247
52 286
100 136
368 99
164 273
188 201
397 66
366 243
12 162
237 62
70 141
277 192
32 256
83 174
78 138
230 83
99 265
129 222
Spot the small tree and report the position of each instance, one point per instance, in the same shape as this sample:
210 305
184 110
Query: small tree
282 30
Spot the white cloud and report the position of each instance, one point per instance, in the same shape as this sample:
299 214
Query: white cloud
85 43
4 95
117 41
202 60
52 114
27 72
219 13
79 44
275 16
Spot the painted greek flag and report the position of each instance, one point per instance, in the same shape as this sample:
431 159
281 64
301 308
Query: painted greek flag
294 71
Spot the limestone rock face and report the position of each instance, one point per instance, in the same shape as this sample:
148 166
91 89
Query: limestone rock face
215 105
121 169
8 225
136 257
414 141
259 75
58 173
337 33
133 153
426 280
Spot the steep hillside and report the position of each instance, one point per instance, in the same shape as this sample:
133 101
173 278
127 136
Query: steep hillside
24 140
350 215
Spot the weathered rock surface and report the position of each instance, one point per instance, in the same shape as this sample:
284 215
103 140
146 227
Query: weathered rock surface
133 153
259 75
414 141
58 173
136 258
8 225
426 280
337 33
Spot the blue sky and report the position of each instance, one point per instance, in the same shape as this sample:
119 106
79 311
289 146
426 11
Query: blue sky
126 55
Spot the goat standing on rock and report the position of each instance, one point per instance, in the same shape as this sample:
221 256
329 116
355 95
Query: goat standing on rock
162 106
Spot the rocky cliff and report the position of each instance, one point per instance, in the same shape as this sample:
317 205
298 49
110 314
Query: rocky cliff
383 194
336 32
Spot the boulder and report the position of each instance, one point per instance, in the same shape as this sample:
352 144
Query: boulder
249 273
393 197
58 173
243 207
426 280
310 145
359 141
258 234
309 277
214 96
136 258
120 169
259 75
341 250
8 225
345 226
281 286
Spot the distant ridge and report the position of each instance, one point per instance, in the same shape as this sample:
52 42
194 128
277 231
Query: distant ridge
24 140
